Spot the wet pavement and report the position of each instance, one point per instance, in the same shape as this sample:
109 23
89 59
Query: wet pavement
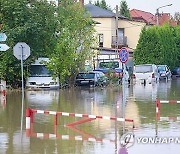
93 136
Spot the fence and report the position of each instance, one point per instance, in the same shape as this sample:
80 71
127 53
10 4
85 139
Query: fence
158 109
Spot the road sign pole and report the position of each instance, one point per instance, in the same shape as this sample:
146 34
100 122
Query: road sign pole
21 51
123 56
22 72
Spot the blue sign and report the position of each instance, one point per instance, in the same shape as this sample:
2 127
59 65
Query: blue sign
3 47
123 55
3 37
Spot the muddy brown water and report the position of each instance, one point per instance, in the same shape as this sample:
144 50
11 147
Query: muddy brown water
96 136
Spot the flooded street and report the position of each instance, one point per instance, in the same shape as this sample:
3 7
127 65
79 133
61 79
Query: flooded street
91 136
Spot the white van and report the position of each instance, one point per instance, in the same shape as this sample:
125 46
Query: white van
145 73
40 77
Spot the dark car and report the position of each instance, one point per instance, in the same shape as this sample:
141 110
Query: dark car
94 78
176 72
164 72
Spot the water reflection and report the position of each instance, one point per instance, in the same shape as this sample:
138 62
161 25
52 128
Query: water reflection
2 102
42 99
146 92
139 105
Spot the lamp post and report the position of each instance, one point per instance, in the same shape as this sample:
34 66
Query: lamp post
157 13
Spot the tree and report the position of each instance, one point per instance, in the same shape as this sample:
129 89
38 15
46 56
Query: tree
177 41
74 43
33 23
102 4
124 10
158 45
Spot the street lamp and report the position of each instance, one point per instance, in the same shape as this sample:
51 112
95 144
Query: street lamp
157 13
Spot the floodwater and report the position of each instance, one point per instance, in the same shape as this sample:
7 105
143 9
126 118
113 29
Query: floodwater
97 136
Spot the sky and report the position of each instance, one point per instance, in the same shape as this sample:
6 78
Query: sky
147 5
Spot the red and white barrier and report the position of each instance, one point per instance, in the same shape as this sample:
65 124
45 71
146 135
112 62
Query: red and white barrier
82 137
31 112
170 118
3 93
68 137
158 108
3 87
169 101
3 100
30 118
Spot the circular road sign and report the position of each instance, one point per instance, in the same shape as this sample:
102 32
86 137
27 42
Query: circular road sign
23 49
123 55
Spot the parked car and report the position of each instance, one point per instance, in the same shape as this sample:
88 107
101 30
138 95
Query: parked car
145 73
164 72
113 67
176 72
93 78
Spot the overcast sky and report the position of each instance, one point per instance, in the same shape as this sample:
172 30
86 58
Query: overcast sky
147 5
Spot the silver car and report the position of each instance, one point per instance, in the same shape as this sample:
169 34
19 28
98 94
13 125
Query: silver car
164 72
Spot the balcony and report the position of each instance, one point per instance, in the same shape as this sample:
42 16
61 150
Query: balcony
122 42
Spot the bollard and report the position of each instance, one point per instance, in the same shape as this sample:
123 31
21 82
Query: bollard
28 122
157 109
55 119
3 87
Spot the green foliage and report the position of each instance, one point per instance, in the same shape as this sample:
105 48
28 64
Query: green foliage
102 4
34 24
75 40
124 10
159 45
63 33
177 42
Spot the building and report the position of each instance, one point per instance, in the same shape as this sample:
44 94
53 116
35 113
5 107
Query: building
150 19
128 31
138 15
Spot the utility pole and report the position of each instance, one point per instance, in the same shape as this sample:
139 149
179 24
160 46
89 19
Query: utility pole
117 41
157 18
157 13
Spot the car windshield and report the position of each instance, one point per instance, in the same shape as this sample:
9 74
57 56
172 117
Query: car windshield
161 68
85 76
143 68
39 71
113 64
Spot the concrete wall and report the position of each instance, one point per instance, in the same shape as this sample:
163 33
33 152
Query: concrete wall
107 28
132 30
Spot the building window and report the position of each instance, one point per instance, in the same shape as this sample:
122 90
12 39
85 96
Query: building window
100 40
120 35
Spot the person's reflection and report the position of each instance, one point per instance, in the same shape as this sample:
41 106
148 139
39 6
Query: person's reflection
123 150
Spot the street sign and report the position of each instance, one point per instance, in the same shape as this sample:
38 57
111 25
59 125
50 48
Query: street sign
21 49
123 55
3 37
4 47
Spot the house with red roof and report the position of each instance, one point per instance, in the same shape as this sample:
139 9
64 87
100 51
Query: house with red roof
150 19
143 16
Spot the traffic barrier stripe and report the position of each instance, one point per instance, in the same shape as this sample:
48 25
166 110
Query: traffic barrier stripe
81 115
171 118
67 137
170 101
